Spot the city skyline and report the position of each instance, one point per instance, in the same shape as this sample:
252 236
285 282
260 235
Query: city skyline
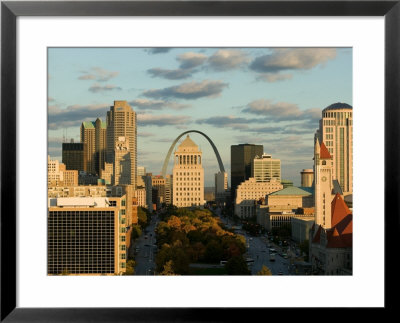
273 97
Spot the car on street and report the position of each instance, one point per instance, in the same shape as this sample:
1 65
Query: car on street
280 272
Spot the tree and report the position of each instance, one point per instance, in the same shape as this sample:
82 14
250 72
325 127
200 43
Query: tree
237 266
265 271
304 248
130 267
168 269
136 231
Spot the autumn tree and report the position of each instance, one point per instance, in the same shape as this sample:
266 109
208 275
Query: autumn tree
265 271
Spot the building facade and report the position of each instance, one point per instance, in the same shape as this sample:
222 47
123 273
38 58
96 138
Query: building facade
241 157
92 135
86 236
336 131
121 122
264 168
122 162
221 187
307 177
74 155
331 249
323 182
58 175
251 191
188 175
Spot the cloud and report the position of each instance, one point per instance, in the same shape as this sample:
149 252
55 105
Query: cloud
228 121
98 74
189 91
96 88
145 104
158 50
281 111
271 77
74 115
145 134
146 119
178 74
225 59
190 60
282 59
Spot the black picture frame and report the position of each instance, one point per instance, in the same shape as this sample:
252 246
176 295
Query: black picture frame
10 10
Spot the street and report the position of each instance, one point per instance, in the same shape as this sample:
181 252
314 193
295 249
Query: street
145 258
258 250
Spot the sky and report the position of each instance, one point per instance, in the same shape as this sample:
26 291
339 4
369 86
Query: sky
267 96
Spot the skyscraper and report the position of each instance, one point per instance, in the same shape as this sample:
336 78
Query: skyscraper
121 122
73 156
122 162
188 175
264 168
93 137
336 131
241 157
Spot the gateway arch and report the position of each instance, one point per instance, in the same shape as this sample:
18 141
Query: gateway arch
167 158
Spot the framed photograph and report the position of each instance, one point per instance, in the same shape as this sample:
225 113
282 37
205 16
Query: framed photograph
199 158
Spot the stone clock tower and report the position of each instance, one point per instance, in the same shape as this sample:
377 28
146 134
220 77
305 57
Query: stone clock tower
323 167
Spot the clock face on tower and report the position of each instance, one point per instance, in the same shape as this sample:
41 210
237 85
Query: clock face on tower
323 178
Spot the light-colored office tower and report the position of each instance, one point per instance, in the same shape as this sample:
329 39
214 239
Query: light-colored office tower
336 131
122 162
307 177
141 171
121 122
323 184
264 168
221 186
188 175
251 191
168 189
86 236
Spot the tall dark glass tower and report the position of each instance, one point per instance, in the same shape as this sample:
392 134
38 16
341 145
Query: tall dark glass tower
241 158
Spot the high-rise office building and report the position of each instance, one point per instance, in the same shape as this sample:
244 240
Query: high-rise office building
241 157
121 122
188 175
86 235
264 168
336 131
73 156
93 134
122 162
